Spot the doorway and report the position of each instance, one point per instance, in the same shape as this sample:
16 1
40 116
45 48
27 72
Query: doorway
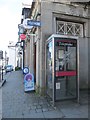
35 62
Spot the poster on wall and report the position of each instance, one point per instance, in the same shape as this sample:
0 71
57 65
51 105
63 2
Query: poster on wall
29 82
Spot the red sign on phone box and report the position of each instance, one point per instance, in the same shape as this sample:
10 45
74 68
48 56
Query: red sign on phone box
22 36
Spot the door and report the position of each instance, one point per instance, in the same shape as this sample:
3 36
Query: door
35 62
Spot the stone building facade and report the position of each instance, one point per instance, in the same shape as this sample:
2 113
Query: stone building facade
69 18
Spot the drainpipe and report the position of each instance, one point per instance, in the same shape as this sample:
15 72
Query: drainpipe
23 55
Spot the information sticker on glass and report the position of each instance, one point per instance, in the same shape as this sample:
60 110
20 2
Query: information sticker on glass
58 85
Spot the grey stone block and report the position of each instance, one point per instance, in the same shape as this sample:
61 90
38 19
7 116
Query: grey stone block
38 110
53 114
45 109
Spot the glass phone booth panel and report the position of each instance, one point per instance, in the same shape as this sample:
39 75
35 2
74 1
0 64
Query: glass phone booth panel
65 68
61 68
49 59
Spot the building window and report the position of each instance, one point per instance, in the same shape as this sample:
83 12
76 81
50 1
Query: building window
69 28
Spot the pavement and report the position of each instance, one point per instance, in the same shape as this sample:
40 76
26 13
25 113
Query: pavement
15 103
0 104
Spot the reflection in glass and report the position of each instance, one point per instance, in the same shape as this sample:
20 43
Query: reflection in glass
65 66
49 68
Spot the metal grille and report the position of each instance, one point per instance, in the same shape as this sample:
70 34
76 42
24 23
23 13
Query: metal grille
60 28
69 28
77 29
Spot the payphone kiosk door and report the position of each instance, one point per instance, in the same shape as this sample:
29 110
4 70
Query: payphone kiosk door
49 69
65 68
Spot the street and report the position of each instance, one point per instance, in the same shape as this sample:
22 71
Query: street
18 104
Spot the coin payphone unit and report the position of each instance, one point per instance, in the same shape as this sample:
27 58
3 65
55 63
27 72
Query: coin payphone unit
62 76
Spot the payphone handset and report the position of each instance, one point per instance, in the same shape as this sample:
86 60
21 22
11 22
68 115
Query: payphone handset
59 59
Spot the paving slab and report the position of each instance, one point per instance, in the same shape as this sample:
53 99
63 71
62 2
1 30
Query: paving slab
53 114
0 103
